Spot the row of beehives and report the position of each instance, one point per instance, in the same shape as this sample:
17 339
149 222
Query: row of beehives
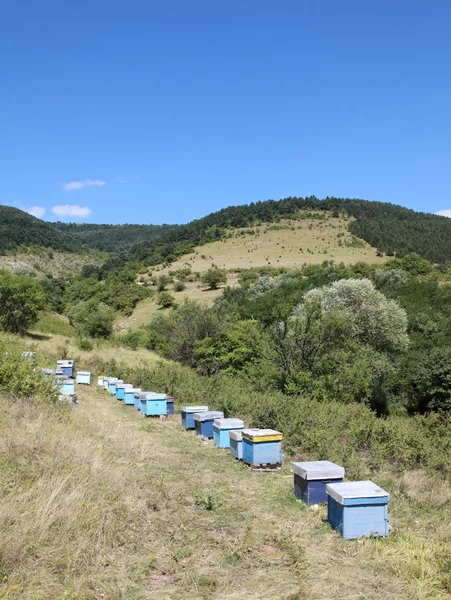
355 508
63 378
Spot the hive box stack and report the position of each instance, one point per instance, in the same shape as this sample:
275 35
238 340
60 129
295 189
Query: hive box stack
66 366
129 397
262 448
236 443
204 422
221 429
311 478
120 390
170 404
358 509
100 380
188 415
152 404
112 386
83 377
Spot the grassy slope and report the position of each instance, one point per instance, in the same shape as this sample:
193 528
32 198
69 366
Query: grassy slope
63 264
279 248
109 505
282 248
99 503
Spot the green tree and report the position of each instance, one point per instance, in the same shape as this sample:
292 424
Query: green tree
92 319
21 299
165 299
214 277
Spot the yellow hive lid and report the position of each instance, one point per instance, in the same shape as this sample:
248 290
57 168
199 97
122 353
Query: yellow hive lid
262 435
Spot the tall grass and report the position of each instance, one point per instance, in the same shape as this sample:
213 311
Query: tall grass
55 324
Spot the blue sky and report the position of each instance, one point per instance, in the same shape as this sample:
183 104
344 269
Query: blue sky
145 111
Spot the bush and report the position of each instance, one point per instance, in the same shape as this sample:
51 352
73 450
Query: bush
21 299
165 299
20 378
179 286
85 344
214 277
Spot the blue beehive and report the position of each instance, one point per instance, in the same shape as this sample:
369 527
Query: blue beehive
262 447
358 509
221 428
188 415
170 404
120 390
129 397
137 401
311 478
68 386
112 386
106 382
204 422
236 443
66 366
152 404
83 377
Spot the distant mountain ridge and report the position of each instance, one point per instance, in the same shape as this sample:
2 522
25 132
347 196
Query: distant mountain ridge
18 228
390 228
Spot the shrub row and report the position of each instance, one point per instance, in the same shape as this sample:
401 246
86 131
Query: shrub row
350 434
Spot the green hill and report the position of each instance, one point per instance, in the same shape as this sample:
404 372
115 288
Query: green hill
111 238
18 228
390 228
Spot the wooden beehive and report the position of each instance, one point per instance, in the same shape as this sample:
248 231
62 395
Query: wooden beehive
204 422
153 404
83 377
221 429
262 447
236 443
120 390
358 509
129 397
187 413
311 478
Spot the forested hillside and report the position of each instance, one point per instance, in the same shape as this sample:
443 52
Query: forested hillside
390 228
18 228
111 238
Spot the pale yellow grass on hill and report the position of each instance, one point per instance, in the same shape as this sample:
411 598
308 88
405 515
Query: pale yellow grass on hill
290 243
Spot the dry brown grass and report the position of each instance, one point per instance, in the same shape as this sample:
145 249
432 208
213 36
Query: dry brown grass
63 264
102 504
300 242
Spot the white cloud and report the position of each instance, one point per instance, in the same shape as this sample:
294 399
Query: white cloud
79 185
71 210
444 213
120 180
36 211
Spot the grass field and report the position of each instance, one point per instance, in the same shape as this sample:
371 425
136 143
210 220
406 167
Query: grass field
290 243
99 503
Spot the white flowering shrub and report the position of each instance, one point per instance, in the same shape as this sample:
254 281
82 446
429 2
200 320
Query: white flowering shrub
371 318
